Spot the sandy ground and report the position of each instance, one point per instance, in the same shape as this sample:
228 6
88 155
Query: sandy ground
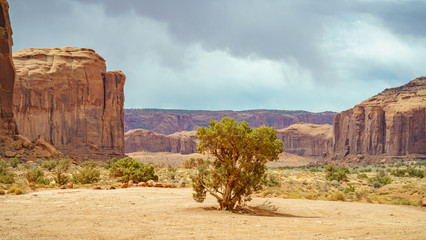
157 213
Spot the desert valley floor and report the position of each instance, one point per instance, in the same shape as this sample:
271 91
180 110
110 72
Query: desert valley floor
158 213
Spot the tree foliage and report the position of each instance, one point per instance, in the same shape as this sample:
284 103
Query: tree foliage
334 173
239 155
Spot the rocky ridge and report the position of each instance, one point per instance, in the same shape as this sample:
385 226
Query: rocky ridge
306 139
171 121
142 140
392 123
65 97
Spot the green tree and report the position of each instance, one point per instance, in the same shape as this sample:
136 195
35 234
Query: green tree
239 157
334 173
131 169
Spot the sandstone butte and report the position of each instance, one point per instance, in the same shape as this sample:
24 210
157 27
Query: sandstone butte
7 70
392 123
11 144
307 139
65 97
141 140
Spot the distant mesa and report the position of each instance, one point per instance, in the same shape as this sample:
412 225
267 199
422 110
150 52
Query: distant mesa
142 140
171 121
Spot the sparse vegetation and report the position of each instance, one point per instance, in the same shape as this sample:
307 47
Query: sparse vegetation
240 154
6 176
33 174
87 175
335 173
130 169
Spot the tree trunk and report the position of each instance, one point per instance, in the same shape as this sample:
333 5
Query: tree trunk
226 203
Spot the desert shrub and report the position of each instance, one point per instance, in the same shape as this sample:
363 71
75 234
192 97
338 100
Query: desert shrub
89 164
12 189
272 180
2 192
18 191
337 196
334 173
362 175
131 169
87 175
192 163
60 171
48 164
33 174
350 189
171 172
110 162
412 172
380 180
13 162
42 181
6 176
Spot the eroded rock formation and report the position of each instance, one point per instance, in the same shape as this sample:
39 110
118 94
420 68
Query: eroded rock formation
65 97
306 139
391 123
141 140
171 121
7 72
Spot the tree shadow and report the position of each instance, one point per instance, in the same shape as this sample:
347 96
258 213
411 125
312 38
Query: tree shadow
260 212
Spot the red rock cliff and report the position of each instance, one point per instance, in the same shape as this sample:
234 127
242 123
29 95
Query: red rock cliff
305 139
66 97
141 140
7 72
392 123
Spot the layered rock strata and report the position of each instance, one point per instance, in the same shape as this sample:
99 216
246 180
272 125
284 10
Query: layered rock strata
65 97
7 72
306 139
391 123
171 121
141 140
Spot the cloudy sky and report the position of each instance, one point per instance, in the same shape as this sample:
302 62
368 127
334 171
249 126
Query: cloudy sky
238 54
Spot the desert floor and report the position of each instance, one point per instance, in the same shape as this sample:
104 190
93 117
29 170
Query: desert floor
158 213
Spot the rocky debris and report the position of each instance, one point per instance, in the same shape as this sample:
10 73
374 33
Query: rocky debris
182 184
70 186
20 147
172 121
125 185
65 97
143 184
97 188
151 183
7 70
130 183
391 123
159 185
424 202
139 140
307 139
109 188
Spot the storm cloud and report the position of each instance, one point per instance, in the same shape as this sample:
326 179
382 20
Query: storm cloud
238 54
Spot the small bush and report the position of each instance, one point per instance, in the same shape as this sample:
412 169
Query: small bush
380 180
334 173
272 180
13 162
131 169
109 163
89 164
86 176
192 163
2 192
34 174
42 181
18 191
12 189
49 165
60 170
362 175
171 172
6 177
337 196
350 189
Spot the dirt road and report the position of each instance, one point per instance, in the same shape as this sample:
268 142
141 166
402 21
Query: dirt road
157 213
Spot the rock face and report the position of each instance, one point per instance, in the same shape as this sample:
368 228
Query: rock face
171 121
7 72
65 97
391 123
141 140
306 139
